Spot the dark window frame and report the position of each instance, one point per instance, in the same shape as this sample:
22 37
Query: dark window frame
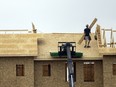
19 69
46 70
88 71
114 69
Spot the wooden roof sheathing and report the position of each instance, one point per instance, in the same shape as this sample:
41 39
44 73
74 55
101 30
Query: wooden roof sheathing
49 43
41 44
18 45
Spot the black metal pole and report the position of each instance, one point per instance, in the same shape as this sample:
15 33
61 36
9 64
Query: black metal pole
70 66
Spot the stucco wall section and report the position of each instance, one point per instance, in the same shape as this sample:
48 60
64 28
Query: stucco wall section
57 78
109 78
8 76
57 75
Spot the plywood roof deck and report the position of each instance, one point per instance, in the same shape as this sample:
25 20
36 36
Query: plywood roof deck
18 45
41 44
49 43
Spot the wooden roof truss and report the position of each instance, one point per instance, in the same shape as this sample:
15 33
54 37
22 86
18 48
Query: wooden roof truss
102 38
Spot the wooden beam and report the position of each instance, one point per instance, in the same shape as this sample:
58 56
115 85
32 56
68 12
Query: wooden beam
91 25
33 28
107 29
113 30
111 39
12 30
105 45
103 34
97 31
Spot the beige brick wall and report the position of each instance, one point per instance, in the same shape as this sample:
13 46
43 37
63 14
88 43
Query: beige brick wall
8 76
109 78
57 78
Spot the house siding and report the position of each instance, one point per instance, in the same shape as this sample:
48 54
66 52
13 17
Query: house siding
108 77
57 78
8 76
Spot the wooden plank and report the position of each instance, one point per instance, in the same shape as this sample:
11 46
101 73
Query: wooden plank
33 28
91 25
13 30
107 29
114 30
111 39
81 40
97 32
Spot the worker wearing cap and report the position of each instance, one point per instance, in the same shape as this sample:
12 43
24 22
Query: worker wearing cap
87 36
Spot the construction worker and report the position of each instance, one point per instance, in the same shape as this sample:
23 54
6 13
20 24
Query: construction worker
87 36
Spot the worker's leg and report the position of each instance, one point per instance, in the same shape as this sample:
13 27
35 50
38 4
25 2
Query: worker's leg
85 44
89 39
88 43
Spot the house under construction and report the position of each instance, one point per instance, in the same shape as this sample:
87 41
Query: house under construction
32 60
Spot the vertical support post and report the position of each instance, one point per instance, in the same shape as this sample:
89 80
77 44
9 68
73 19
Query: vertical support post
70 68
104 37
111 39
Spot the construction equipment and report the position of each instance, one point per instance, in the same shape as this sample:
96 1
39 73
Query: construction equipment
91 25
63 54
68 49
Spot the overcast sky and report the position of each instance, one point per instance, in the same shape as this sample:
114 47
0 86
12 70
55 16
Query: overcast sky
57 15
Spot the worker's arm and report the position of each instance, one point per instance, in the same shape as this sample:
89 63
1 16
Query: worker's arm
84 31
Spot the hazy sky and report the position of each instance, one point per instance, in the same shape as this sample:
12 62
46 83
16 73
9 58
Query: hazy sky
57 15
